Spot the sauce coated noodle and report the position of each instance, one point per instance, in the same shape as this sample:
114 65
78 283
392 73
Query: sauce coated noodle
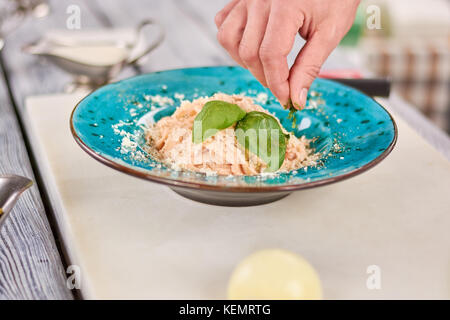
170 141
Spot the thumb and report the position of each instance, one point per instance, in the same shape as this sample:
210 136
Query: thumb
307 66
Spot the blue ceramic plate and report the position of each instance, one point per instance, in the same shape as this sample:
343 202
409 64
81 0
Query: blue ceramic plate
351 130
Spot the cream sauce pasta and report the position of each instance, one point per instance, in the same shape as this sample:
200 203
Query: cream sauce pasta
170 141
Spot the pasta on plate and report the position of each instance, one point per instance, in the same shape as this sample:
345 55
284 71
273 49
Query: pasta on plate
170 142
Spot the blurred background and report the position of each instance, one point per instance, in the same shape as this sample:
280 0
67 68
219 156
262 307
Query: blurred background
412 48
405 40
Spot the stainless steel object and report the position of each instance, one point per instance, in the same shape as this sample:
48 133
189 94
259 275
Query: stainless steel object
92 75
11 187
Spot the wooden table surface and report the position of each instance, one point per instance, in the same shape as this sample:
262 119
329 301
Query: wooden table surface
31 260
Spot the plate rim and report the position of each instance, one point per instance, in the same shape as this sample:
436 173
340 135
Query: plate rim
146 175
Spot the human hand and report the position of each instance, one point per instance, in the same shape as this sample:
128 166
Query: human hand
259 34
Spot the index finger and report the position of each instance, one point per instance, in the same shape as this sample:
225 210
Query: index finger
278 41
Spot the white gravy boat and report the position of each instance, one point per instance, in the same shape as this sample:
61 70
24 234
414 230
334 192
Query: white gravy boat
93 61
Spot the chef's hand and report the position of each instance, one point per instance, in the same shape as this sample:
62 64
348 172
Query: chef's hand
259 34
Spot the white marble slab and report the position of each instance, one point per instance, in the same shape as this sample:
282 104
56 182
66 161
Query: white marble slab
135 239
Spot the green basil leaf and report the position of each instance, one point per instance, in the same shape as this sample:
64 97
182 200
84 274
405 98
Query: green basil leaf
261 134
214 116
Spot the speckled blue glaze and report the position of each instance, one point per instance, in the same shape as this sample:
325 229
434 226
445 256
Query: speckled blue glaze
351 130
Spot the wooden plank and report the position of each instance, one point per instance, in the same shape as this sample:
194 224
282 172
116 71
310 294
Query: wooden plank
29 75
186 43
30 265
190 42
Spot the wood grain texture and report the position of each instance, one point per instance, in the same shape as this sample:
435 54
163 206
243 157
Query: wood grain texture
187 42
191 41
30 265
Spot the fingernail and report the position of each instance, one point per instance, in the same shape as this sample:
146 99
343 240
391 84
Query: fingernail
302 97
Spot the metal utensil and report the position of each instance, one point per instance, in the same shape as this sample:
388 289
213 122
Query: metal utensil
92 75
11 187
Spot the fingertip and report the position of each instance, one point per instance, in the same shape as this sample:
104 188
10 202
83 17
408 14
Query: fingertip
282 94
286 103
302 97
218 19
263 83
299 98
